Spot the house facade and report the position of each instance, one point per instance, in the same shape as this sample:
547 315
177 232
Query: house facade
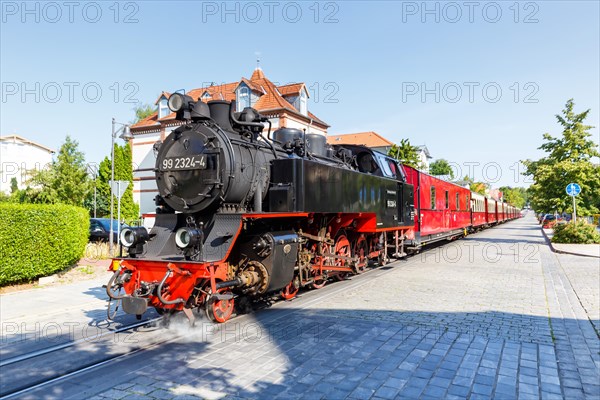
424 157
284 105
18 157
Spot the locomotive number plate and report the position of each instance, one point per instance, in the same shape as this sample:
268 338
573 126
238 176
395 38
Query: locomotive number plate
181 163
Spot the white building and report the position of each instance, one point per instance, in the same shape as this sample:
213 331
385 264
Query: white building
19 156
424 157
285 105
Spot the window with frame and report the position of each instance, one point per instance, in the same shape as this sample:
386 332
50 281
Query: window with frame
432 195
303 100
447 200
467 204
243 98
457 201
163 108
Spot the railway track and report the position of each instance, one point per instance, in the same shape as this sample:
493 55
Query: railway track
41 367
52 349
279 310
282 309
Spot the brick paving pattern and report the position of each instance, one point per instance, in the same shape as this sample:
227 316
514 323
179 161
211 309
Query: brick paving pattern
496 315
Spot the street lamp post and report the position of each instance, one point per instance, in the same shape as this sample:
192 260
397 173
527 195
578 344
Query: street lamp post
126 135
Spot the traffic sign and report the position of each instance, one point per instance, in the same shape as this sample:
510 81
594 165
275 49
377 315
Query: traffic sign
573 189
119 188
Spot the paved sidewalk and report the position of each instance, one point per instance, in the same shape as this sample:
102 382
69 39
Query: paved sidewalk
497 314
588 250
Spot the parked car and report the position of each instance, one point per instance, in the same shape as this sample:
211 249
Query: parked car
540 216
547 219
100 232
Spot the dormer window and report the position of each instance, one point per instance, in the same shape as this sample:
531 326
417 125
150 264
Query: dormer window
243 98
205 96
163 108
303 100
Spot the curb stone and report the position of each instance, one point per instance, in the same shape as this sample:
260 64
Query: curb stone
555 250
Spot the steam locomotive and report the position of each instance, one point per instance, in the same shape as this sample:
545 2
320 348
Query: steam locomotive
242 214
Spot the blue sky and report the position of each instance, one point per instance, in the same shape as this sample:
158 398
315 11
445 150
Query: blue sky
478 83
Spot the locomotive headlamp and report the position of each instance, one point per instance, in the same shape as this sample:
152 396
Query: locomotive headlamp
179 101
133 236
188 237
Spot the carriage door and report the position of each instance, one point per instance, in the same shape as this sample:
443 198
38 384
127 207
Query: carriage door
406 204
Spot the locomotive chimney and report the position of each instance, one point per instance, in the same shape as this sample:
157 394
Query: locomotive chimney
219 112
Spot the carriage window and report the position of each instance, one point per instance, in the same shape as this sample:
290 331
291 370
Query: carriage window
447 200
467 202
389 169
457 202
433 197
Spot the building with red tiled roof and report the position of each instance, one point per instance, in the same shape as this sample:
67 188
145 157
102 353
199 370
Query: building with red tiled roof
369 139
284 105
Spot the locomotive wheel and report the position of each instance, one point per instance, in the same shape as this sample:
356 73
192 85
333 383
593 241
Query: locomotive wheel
219 310
342 248
325 249
291 290
318 284
381 259
360 250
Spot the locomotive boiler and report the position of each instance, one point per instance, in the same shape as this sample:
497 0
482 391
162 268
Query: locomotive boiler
243 213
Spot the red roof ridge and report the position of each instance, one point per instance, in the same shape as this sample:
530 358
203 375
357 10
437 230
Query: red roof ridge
257 74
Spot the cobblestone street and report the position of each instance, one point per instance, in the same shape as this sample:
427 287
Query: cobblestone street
496 314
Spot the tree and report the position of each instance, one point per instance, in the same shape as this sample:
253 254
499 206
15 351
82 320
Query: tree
143 111
406 153
568 159
70 179
123 172
14 185
477 187
441 167
516 196
65 181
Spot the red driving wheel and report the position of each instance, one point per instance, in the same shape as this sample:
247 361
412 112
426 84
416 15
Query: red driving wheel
291 290
325 249
219 310
342 248
360 250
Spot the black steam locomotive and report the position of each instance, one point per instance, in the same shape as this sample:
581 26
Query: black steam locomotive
242 214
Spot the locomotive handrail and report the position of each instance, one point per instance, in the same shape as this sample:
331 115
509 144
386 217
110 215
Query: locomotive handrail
160 287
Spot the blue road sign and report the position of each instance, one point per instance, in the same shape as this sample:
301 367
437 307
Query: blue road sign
573 189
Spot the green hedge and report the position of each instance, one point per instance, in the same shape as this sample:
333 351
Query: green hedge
40 239
580 232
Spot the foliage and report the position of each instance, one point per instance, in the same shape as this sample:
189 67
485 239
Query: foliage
568 159
406 153
40 239
517 196
143 111
71 183
123 172
65 181
441 167
14 185
5 198
477 187
579 232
